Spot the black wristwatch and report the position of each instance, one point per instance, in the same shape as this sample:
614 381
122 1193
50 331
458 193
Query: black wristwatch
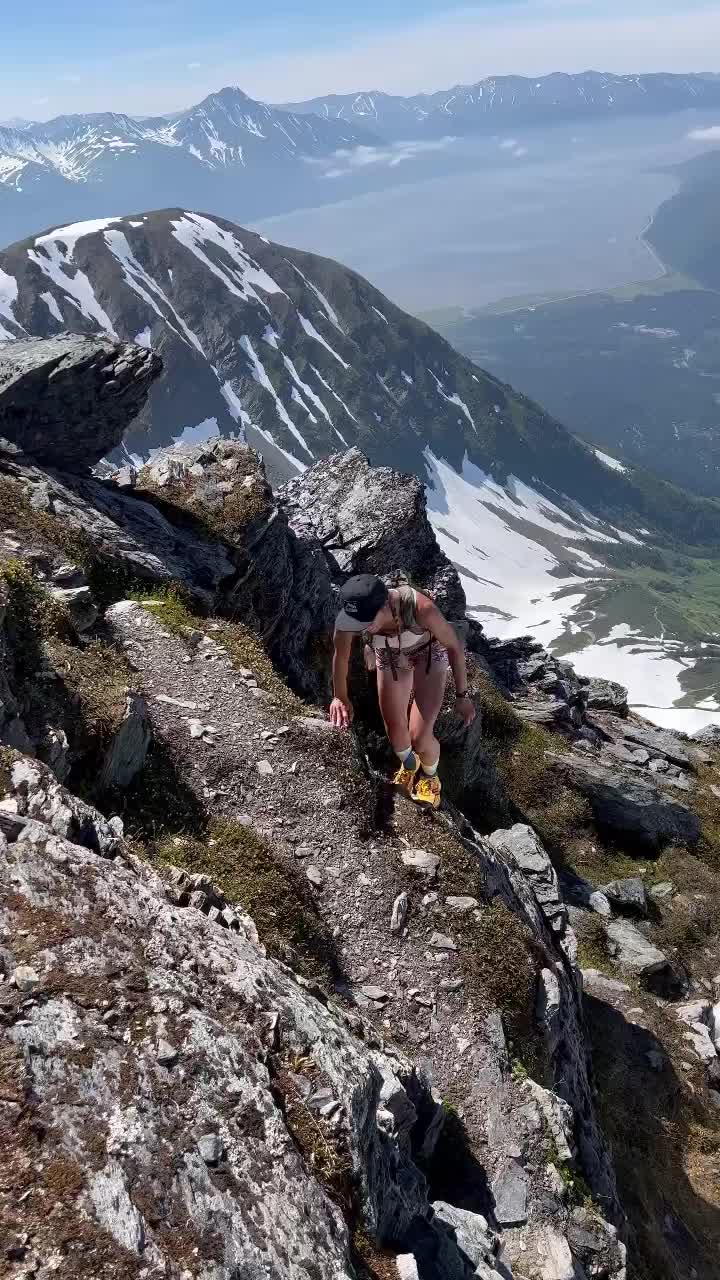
465 694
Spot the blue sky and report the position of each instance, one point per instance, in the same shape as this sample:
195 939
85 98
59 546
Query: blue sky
157 55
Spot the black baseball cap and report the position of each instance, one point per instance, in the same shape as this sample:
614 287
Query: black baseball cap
361 598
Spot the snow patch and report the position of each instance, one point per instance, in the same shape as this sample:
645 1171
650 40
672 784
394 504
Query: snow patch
261 377
142 339
312 332
52 307
53 254
612 463
8 298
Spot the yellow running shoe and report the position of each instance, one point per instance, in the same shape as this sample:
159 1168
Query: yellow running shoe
405 778
428 791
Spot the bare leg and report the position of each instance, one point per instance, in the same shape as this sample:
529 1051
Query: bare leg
394 698
429 696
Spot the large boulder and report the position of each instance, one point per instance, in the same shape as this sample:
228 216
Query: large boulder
521 846
372 520
67 401
634 951
607 695
629 896
632 809
280 586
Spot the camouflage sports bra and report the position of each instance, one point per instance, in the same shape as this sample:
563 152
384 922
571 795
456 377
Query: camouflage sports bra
409 638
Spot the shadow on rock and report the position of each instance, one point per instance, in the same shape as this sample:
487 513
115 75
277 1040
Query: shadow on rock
661 1136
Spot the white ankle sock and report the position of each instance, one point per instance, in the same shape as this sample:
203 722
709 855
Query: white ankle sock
408 759
430 770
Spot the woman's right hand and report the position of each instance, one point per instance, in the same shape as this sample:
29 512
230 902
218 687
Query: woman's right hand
341 713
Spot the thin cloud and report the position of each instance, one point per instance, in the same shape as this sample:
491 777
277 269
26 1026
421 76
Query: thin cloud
514 147
348 160
194 66
711 134
70 79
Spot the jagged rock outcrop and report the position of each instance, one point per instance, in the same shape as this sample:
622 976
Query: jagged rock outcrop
372 520
67 401
203 519
631 807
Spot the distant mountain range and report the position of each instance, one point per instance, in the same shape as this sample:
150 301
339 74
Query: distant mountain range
302 357
229 153
504 101
246 160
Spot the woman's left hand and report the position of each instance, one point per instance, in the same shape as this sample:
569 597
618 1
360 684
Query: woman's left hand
465 708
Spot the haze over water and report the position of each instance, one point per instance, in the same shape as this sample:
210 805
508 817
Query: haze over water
540 211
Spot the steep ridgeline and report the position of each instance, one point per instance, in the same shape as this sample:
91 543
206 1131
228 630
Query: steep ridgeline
304 358
292 1027
504 101
228 152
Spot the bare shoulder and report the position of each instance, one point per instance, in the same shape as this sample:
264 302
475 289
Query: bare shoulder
426 608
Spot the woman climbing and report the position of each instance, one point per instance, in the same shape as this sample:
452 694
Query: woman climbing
412 646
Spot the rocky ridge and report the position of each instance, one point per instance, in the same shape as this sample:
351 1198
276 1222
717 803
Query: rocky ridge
177 1041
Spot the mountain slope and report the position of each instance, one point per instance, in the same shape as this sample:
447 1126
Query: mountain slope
303 357
512 100
685 229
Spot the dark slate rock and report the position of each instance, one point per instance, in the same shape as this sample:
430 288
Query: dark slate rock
628 805
709 736
607 695
372 520
629 896
67 401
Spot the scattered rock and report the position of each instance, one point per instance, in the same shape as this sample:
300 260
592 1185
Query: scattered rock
127 751
629 896
315 875
510 1192
461 904
699 1038
265 768
26 978
600 984
376 994
426 864
399 913
662 890
406 1267
211 1149
441 942
633 950
167 1055
470 1230
81 607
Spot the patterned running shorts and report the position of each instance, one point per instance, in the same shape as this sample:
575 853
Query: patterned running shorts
409 661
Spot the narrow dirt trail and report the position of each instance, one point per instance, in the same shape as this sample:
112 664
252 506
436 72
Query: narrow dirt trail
284 777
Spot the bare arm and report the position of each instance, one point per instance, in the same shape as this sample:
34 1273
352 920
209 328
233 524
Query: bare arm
341 712
429 616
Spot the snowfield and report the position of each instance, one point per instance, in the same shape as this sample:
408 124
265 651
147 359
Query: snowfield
524 573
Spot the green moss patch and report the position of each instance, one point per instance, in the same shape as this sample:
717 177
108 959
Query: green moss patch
217 514
275 894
